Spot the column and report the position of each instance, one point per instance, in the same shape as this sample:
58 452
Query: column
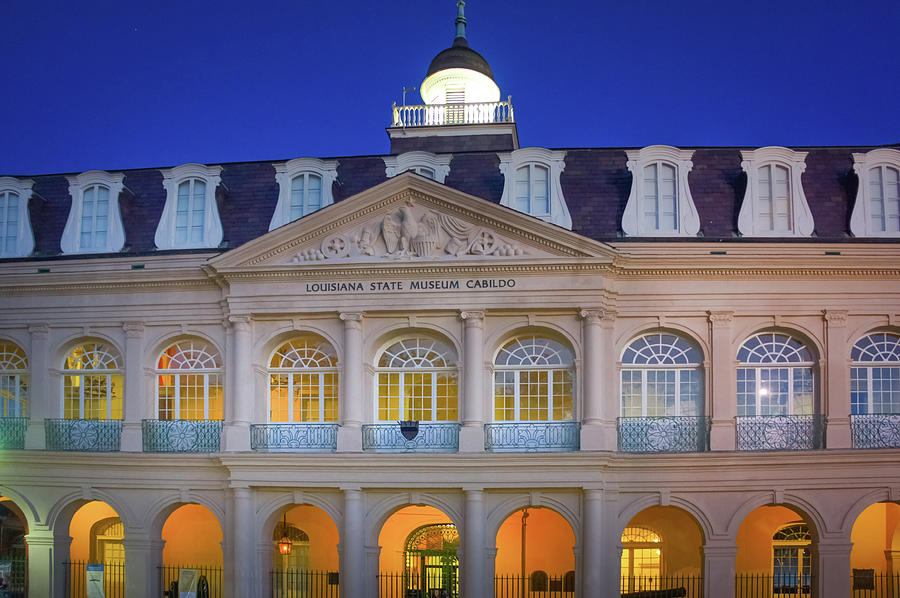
836 380
351 400
474 582
240 397
831 565
42 572
718 568
722 394
135 405
141 578
592 570
471 435
243 548
44 403
601 403
353 562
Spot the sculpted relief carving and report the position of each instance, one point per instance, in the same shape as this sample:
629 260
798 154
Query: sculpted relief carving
411 232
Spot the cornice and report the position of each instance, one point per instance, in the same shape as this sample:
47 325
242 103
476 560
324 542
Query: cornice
111 286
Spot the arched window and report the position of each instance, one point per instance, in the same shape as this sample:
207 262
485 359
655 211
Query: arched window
304 186
306 194
94 217
107 536
641 559
431 560
774 203
791 564
876 212
661 375
189 382
660 201
534 380
190 213
531 184
417 380
190 218
428 165
13 380
9 222
539 581
533 190
875 374
94 224
774 376
92 382
16 236
303 381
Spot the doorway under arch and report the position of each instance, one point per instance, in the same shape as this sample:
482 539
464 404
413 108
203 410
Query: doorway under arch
418 556
13 550
98 536
304 548
192 539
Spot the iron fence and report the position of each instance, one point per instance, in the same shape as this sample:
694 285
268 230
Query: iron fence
12 432
76 579
752 585
665 434
532 437
780 432
875 430
14 575
83 435
405 585
295 438
866 583
432 438
667 586
181 436
514 586
301 583
213 575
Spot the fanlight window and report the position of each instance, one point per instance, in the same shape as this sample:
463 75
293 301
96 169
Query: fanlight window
94 217
791 563
306 194
13 380
431 560
875 374
417 380
190 213
92 382
775 376
189 382
661 376
641 559
303 381
534 380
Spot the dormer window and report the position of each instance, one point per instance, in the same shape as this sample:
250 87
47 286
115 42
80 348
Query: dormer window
426 164
190 218
304 186
774 204
876 212
16 237
531 184
94 224
660 203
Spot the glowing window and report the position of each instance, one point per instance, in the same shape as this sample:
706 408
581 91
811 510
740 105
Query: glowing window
791 562
875 374
92 385
303 381
189 382
534 380
417 380
774 376
661 375
642 557
13 380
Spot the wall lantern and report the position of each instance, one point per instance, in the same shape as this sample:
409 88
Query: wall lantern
284 544
409 428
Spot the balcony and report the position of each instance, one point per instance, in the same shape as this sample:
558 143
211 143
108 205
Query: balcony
12 432
181 436
876 430
663 434
92 435
294 438
436 115
432 438
532 437
780 432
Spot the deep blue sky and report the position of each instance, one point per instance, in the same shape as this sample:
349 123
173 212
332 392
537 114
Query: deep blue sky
126 84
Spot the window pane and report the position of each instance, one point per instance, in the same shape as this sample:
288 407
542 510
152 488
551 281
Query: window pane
389 396
279 389
766 210
540 199
297 201
892 199
504 396
314 194
781 200
668 205
523 190
876 199
651 198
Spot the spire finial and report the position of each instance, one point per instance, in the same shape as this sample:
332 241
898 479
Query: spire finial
461 19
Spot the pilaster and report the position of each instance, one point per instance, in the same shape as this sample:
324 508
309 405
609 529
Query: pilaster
350 432
239 399
836 399
43 403
832 567
722 394
719 568
471 434
141 578
600 402
134 385
44 577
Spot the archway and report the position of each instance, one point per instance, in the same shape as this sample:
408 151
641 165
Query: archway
304 553
535 555
98 536
419 555
13 551
192 539
875 557
662 549
776 548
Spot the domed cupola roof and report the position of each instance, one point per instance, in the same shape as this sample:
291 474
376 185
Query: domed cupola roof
460 56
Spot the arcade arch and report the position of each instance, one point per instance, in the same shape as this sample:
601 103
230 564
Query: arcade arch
418 552
535 551
875 556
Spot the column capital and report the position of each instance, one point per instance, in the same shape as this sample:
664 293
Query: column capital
835 318
351 489
721 319
133 329
351 318
473 490
240 321
39 330
597 315
473 319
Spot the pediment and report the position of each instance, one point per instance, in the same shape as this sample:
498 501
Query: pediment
409 219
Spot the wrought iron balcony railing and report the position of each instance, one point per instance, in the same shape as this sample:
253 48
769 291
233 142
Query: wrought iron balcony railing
531 437
12 432
663 434
93 435
875 430
435 115
432 438
181 436
780 432
294 438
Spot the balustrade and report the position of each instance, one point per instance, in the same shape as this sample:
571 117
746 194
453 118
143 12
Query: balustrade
663 434
780 432
12 432
875 430
432 438
83 435
532 437
181 436
294 438
432 115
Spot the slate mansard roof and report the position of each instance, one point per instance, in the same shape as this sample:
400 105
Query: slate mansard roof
595 182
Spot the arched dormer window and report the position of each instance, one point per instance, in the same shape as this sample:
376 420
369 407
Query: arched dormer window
13 380
428 165
94 224
532 186
774 203
774 376
876 212
16 236
660 203
92 385
661 376
417 380
190 218
534 380
304 186
189 382
303 381
875 374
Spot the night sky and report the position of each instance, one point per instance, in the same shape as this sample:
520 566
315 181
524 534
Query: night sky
116 85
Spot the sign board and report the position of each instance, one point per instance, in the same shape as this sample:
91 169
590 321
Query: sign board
187 583
93 579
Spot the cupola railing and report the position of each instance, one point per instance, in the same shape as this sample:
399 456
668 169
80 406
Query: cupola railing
435 115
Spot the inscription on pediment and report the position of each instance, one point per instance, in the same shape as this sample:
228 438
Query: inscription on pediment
410 232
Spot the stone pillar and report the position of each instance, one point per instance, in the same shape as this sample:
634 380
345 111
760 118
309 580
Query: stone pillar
135 402
592 533
43 401
722 393
474 582
831 558
836 377
243 548
490 569
471 435
239 399
352 400
353 553
718 568
43 575
601 401
141 578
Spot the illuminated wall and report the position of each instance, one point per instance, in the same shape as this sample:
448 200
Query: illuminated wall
397 528
192 536
682 538
323 536
754 538
80 528
549 544
874 532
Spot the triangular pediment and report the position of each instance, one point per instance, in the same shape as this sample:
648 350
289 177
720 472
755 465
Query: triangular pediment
409 219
